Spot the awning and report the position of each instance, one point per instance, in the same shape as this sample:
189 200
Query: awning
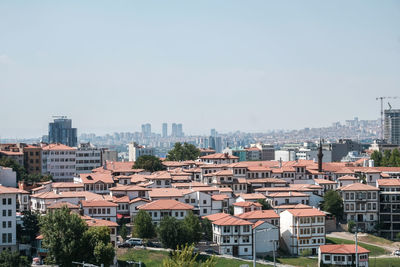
120 216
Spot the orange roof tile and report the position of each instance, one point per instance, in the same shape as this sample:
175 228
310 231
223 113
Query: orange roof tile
347 178
259 214
98 203
165 192
246 204
253 196
306 212
293 206
59 205
219 197
231 220
66 185
95 177
388 182
324 181
166 204
98 222
216 216
287 194
342 249
358 187
58 147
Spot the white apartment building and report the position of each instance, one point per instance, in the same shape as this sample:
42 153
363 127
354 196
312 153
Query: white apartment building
135 151
88 157
360 203
100 209
8 236
302 229
233 236
59 161
166 207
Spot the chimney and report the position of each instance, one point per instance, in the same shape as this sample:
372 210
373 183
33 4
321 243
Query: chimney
280 163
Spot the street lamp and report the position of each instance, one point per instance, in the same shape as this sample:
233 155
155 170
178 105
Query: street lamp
254 244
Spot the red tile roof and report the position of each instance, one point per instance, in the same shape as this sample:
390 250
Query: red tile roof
342 249
388 182
219 197
166 204
219 156
231 220
59 205
98 222
347 178
58 147
259 214
287 194
66 185
246 204
216 216
95 177
98 203
358 187
324 181
306 212
9 190
253 196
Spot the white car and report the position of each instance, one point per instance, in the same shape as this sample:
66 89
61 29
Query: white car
397 253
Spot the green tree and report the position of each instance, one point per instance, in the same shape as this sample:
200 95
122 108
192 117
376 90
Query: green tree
394 159
98 247
13 259
350 226
62 235
333 203
265 204
386 158
192 226
123 232
171 232
10 163
36 177
30 225
184 256
206 226
183 152
377 157
143 225
149 163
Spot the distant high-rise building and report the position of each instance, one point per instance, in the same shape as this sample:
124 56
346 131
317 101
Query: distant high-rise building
179 130
213 132
146 130
165 129
392 126
215 143
61 131
174 131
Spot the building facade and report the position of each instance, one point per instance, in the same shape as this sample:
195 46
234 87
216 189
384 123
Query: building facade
61 131
88 157
392 126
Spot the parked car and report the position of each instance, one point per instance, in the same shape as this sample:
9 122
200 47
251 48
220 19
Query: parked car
211 251
153 245
135 241
124 245
397 253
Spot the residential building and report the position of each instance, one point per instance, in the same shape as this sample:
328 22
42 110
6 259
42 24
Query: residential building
342 255
392 126
59 161
389 207
146 130
302 229
88 157
135 151
8 235
100 209
96 182
61 131
360 202
233 236
33 159
253 154
166 207
267 151
12 151
219 158
108 155
8 177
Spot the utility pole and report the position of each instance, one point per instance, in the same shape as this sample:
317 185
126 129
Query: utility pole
356 247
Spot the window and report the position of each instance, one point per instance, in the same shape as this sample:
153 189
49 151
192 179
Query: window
246 249
176 214
327 257
4 238
4 225
9 235
9 212
204 201
246 239
108 211
192 200
4 201
204 210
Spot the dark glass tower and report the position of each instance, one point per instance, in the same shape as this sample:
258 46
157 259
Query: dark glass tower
61 131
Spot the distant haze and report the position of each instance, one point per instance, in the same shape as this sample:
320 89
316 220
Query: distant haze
231 65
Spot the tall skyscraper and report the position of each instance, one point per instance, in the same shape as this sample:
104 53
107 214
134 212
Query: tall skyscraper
392 126
213 132
61 131
165 129
174 131
146 129
179 130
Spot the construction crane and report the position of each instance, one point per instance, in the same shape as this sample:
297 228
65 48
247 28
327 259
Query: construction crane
381 99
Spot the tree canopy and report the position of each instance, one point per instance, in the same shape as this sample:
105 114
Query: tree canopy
13 259
143 225
171 232
333 203
68 238
387 159
30 225
149 163
22 175
264 203
207 229
192 227
183 152
184 256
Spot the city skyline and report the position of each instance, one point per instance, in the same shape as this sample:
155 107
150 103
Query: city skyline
237 66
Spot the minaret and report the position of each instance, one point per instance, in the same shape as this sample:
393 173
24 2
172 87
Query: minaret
320 156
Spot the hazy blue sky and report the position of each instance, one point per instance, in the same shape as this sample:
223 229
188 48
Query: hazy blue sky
230 65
